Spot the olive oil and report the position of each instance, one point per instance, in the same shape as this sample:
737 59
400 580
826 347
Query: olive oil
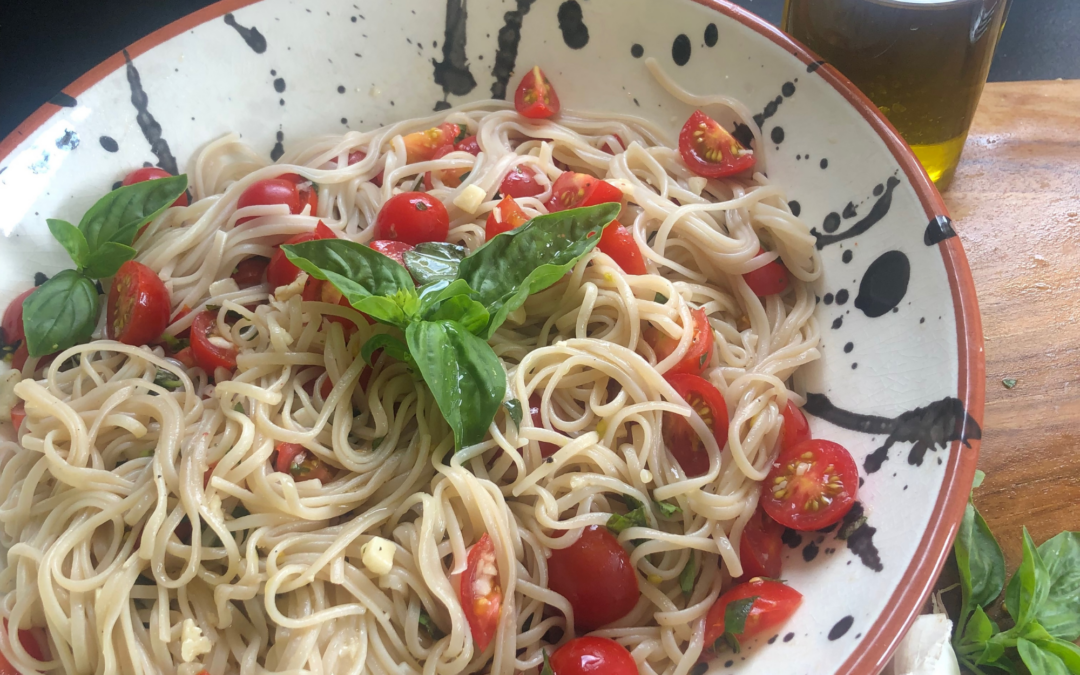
922 62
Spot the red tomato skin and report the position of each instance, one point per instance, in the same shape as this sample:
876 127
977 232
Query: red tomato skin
701 345
153 173
546 449
734 158
792 513
138 306
681 439
449 177
761 549
482 613
795 428
768 280
506 216
595 575
775 604
535 98
309 197
18 415
469 144
591 655
280 271
576 190
357 155
12 326
206 354
421 146
285 459
267 192
392 249
520 182
602 192
617 242
414 218
250 271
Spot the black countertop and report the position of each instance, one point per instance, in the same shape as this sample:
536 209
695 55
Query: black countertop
47 44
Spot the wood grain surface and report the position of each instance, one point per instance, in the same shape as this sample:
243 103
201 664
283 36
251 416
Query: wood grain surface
1015 202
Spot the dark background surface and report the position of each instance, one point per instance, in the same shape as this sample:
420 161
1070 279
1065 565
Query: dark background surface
47 44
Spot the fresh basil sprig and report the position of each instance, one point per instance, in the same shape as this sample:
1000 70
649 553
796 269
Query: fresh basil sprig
1042 599
735 615
460 303
64 310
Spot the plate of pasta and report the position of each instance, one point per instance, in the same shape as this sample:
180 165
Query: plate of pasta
549 338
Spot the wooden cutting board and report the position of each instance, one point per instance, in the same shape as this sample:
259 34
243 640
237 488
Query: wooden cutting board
1015 202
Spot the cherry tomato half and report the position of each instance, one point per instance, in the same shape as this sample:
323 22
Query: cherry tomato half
449 177
308 197
546 449
354 157
281 271
682 441
480 593
761 547
710 151
795 429
295 460
617 242
207 354
811 485
595 575
250 271
468 144
575 190
774 604
506 216
392 249
421 146
30 643
139 308
276 191
14 334
768 280
18 415
153 173
592 655
520 182
412 217
535 98
701 345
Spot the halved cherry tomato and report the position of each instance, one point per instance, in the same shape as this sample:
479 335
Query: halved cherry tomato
760 548
207 354
412 217
354 157
392 249
546 449
682 441
701 345
535 98
591 655
811 485
774 604
293 459
138 309
610 150
619 245
281 271
480 593
469 144
309 196
328 292
595 575
13 333
520 182
574 190
449 177
250 271
153 173
421 146
795 429
18 415
18 360
768 280
276 191
30 643
506 216
710 151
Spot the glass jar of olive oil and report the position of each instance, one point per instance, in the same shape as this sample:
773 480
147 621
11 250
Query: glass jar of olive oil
922 62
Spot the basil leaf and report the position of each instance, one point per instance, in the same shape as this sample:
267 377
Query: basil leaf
393 347
980 476
667 509
687 576
463 373
528 259
1064 650
1039 661
994 654
631 502
104 262
61 313
1059 613
433 261
636 518
660 298
166 379
735 615
546 670
118 215
979 559
428 624
1028 588
513 409
71 238
980 628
